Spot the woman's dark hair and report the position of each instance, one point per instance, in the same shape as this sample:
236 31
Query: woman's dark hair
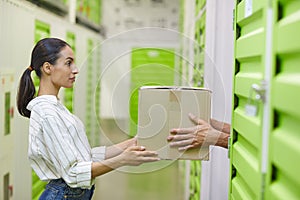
46 50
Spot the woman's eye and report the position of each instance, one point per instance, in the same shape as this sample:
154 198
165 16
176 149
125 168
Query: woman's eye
69 63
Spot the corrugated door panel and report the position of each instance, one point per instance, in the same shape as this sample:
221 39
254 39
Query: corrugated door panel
239 189
284 162
247 126
246 149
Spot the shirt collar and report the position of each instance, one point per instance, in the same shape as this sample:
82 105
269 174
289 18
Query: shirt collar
49 98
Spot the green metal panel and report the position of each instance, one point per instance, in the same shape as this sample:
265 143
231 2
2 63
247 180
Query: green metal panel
150 66
97 94
199 51
199 5
283 175
7 115
195 179
91 9
89 91
92 93
95 11
42 30
68 92
246 137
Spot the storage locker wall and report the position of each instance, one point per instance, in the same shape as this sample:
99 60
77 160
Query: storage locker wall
6 132
266 50
246 147
283 179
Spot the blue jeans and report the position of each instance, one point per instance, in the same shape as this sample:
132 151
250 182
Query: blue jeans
59 190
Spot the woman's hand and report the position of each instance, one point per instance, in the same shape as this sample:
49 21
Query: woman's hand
137 155
132 156
117 149
194 137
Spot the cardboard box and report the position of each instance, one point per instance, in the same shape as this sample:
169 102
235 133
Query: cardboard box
162 108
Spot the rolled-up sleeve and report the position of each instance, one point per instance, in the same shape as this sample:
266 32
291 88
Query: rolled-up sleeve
98 153
82 172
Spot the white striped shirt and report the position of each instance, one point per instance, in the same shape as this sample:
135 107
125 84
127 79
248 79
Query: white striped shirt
58 146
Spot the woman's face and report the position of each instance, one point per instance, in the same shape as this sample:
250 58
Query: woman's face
64 70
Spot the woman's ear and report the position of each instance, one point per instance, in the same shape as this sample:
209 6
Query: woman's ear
47 68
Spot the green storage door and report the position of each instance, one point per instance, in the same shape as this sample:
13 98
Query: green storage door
92 93
284 162
150 66
89 91
42 30
199 51
97 92
246 137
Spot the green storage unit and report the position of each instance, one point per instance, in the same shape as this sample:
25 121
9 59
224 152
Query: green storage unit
199 51
283 179
68 92
200 4
253 56
7 113
42 30
92 97
97 94
89 91
246 137
149 66
90 9
195 180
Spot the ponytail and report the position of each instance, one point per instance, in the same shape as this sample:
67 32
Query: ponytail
26 92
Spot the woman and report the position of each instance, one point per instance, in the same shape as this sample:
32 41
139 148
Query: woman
59 151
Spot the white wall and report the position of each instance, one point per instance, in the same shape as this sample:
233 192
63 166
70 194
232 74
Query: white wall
123 15
218 77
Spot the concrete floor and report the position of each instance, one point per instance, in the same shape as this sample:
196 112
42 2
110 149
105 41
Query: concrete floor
163 184
163 180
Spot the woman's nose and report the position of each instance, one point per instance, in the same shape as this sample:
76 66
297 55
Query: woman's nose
75 69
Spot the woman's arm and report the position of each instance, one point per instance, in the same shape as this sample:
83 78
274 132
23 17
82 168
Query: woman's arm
116 149
132 156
